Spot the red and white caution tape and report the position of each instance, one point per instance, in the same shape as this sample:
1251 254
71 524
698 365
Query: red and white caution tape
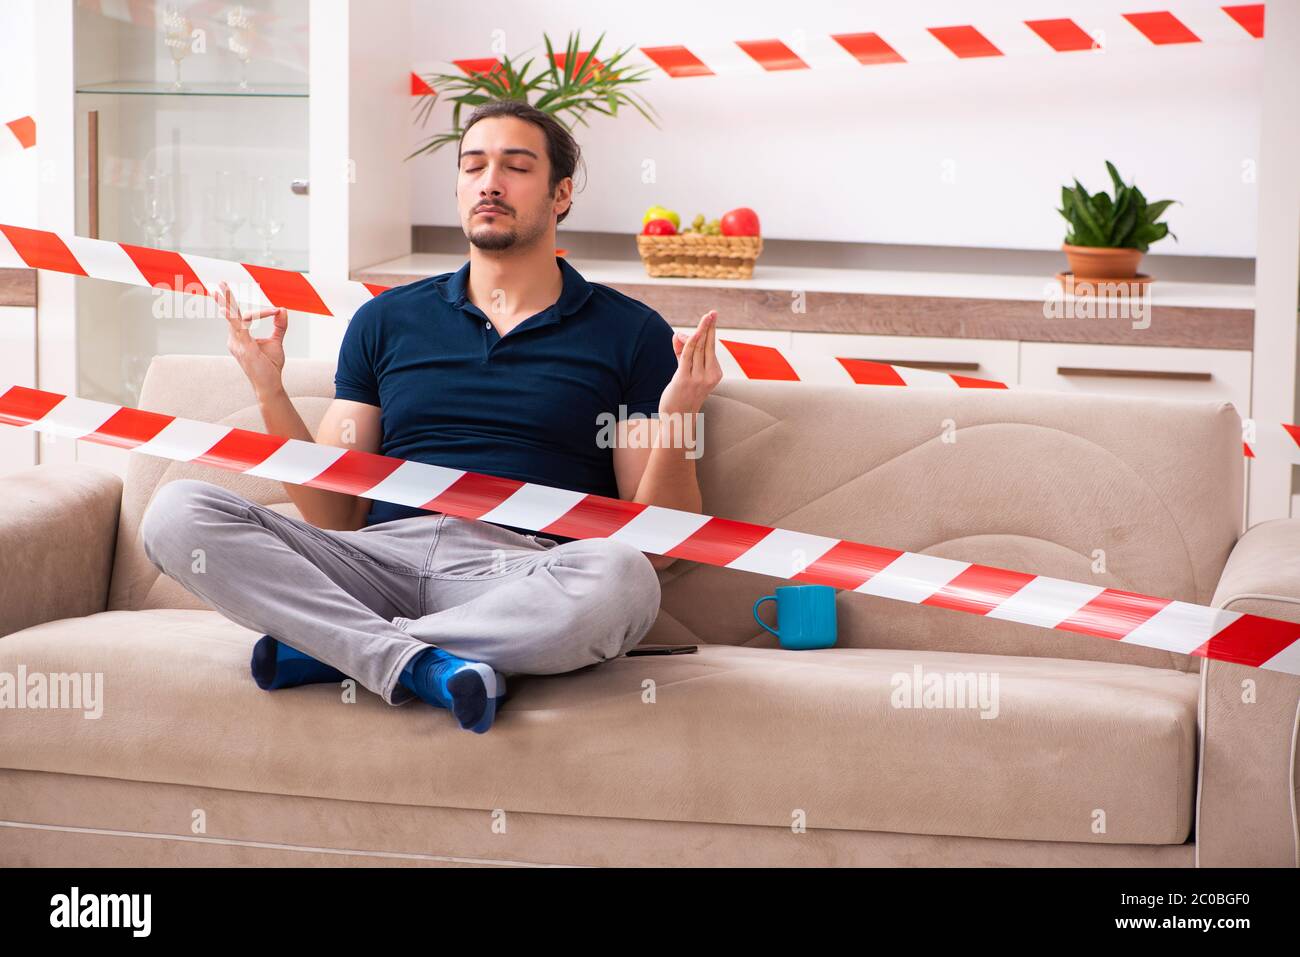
253 286
261 286
1051 603
748 360
1270 440
17 135
1095 32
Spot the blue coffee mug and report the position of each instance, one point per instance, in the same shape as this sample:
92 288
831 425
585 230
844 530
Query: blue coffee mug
805 616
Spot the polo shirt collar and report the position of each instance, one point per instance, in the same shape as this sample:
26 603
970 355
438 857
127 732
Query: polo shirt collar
573 295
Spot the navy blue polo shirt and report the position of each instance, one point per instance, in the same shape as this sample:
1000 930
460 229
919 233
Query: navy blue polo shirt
453 392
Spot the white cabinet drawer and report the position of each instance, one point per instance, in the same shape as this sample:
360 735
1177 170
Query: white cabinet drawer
980 358
1156 371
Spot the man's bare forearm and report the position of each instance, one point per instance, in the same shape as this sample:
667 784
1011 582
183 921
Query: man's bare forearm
320 507
670 481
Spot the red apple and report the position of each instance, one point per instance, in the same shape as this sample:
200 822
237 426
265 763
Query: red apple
740 222
659 227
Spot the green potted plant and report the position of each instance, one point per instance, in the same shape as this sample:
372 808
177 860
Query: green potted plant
583 86
1108 235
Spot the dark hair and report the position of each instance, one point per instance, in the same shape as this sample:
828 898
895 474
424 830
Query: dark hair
561 147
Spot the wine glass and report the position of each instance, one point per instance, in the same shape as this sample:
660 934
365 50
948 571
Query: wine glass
162 200
153 207
265 218
140 214
231 207
240 41
176 37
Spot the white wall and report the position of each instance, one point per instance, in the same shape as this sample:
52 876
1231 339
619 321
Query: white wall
939 153
18 173
18 170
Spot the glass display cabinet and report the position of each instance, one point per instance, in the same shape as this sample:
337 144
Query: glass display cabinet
276 134
191 134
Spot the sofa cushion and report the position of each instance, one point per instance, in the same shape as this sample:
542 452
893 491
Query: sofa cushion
1141 495
1077 751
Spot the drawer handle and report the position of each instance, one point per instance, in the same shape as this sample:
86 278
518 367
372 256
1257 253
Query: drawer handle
1135 373
927 364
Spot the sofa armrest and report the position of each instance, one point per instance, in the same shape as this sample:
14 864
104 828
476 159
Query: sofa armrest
1249 777
58 530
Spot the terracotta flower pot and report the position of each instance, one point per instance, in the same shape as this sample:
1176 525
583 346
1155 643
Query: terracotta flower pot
1102 262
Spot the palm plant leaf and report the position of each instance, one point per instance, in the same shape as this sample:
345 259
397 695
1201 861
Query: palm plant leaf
568 94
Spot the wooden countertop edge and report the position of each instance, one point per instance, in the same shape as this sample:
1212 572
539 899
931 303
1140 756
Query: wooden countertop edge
946 317
17 287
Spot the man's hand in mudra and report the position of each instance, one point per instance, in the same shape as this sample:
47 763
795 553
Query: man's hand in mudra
698 370
261 359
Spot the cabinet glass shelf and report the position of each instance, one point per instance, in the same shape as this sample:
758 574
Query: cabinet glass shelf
162 88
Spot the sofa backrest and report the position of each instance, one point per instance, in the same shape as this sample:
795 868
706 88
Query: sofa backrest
1143 495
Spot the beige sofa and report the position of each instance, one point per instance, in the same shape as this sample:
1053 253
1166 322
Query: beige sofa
1100 753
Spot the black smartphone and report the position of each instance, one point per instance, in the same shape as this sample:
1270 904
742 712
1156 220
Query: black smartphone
662 650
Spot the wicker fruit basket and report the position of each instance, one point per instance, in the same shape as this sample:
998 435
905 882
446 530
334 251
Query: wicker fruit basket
700 255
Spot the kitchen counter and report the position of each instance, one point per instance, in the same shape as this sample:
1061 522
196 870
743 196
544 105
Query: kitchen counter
904 303
17 287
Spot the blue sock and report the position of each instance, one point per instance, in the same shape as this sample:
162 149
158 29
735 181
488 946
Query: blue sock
468 689
275 665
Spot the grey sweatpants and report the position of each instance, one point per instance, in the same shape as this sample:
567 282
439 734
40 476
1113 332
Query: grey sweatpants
367 601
